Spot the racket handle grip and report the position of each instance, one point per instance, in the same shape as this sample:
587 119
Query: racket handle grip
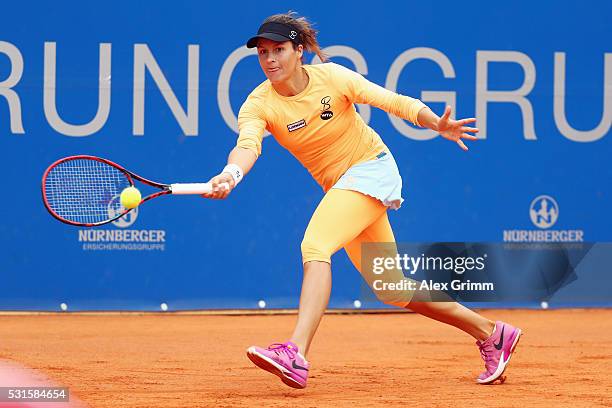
194 188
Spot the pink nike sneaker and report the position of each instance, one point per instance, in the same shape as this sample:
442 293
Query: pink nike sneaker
282 360
497 350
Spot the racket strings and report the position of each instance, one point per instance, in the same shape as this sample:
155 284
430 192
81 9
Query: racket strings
85 191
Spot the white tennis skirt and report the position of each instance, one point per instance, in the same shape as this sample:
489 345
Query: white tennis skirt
378 178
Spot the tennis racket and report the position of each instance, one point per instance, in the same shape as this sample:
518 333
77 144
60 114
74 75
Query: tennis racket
84 190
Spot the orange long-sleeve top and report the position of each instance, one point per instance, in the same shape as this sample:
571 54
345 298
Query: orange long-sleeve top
320 126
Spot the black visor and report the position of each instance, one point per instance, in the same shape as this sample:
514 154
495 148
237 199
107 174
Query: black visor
276 32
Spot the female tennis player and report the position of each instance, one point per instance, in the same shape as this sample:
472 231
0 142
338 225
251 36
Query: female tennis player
310 111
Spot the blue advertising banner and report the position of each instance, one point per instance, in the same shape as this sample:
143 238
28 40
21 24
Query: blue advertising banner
157 87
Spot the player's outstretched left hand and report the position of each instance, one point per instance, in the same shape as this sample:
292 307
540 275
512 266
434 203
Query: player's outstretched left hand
456 130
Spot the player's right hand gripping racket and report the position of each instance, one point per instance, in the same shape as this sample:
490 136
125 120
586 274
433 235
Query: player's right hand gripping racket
85 190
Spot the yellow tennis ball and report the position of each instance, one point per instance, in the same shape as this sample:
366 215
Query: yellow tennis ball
130 197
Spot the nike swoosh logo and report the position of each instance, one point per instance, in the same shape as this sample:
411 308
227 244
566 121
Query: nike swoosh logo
501 340
297 367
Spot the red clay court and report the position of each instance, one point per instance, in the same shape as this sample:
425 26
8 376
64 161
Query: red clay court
358 360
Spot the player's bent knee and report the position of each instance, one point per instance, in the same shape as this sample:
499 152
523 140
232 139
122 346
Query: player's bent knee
398 299
314 251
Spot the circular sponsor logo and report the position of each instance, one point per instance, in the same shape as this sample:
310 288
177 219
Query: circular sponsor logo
544 211
115 208
327 115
